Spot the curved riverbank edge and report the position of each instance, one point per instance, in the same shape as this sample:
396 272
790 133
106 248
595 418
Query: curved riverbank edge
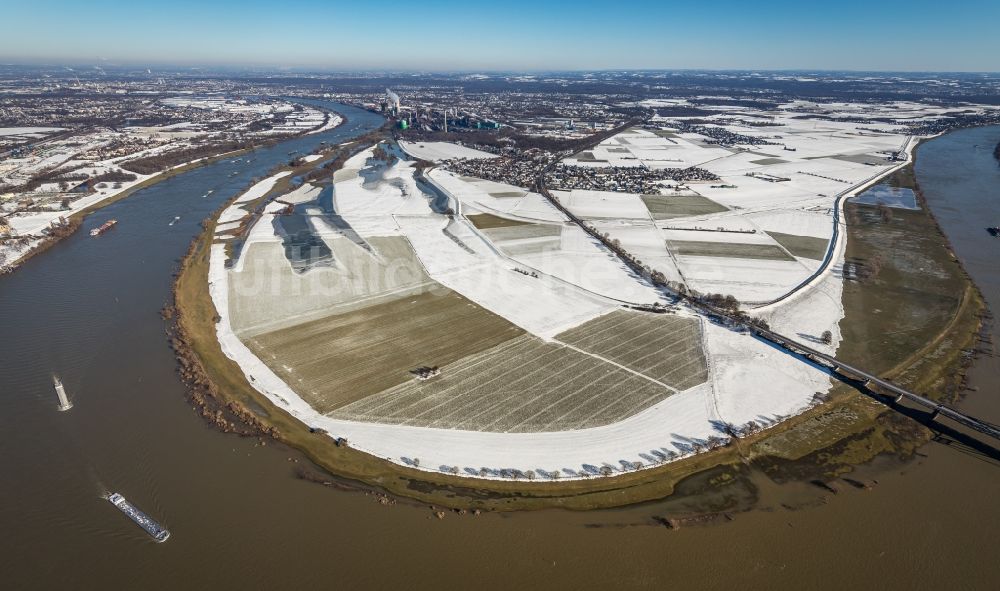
823 442
340 118
76 218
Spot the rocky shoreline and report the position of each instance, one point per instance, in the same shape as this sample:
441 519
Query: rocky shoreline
225 415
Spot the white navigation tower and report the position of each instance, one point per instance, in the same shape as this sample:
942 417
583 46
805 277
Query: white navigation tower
64 403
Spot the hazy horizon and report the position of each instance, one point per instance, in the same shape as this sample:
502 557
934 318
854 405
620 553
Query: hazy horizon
449 36
6 61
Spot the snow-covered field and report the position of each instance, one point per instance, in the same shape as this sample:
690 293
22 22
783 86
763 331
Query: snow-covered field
333 120
604 204
481 196
675 427
643 148
437 151
803 171
29 132
236 212
545 275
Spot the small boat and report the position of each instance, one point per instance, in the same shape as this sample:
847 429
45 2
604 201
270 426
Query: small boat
175 220
994 231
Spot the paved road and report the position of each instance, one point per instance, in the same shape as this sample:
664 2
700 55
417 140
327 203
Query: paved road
789 344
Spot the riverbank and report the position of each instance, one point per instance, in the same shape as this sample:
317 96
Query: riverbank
75 215
913 316
824 442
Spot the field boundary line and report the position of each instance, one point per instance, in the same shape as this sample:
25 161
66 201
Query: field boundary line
619 365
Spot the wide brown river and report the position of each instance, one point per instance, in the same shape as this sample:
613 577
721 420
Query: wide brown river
88 310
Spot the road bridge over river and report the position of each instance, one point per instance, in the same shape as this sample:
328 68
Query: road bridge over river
844 369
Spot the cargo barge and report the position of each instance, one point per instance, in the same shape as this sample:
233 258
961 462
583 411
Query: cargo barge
158 532
64 403
103 228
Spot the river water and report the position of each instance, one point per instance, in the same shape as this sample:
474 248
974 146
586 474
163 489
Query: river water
88 309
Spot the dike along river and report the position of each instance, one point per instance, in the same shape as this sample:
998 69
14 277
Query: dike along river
88 309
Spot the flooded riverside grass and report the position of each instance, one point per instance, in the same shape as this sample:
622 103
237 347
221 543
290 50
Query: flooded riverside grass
899 197
239 518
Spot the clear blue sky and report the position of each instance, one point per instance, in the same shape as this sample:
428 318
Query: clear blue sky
512 34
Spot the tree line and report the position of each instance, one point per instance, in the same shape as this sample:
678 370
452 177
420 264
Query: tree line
159 162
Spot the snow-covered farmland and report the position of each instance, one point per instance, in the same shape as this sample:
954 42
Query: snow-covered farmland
28 132
562 380
781 182
482 196
438 151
